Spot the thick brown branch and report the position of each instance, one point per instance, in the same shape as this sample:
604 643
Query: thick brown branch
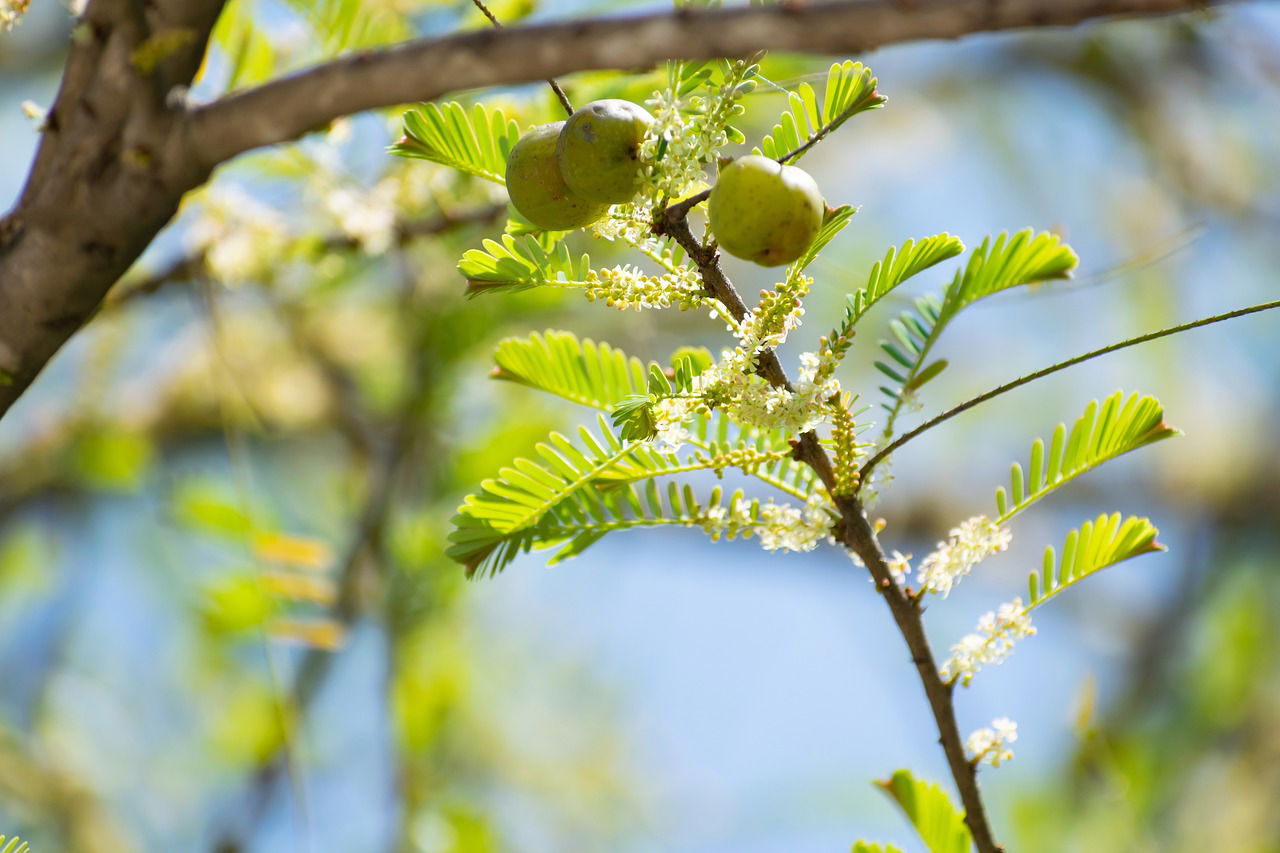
423 70
855 533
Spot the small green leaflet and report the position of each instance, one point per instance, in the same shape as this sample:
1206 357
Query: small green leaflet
939 824
1089 549
587 373
14 844
1100 434
868 847
476 143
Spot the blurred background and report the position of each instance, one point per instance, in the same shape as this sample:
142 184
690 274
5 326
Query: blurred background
225 620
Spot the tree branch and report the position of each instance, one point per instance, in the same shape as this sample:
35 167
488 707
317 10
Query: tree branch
855 533
426 69
119 150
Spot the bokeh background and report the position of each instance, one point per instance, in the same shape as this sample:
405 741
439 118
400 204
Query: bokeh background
225 620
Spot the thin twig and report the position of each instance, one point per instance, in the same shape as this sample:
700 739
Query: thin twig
1053 368
854 531
551 81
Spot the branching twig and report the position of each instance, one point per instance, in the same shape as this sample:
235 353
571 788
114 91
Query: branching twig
1053 368
854 531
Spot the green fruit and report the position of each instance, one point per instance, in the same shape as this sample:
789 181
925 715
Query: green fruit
765 212
537 188
599 150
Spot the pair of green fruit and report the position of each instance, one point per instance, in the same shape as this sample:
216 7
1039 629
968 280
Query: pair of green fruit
566 174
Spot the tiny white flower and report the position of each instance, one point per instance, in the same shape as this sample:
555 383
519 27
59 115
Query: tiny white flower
899 567
971 541
993 642
991 745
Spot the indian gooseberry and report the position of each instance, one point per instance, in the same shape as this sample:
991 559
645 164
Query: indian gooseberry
763 211
599 150
537 188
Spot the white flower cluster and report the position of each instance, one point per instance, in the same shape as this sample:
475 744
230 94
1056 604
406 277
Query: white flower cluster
11 11
732 386
992 744
241 238
626 222
689 134
684 154
627 287
778 314
787 528
991 644
971 542
780 527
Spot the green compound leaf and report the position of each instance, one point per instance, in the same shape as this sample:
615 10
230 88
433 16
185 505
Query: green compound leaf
868 847
564 498
1100 434
582 371
850 89
1089 549
476 143
520 263
939 824
13 845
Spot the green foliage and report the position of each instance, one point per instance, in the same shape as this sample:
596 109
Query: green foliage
584 372
940 825
1024 258
13 844
520 263
476 143
570 498
914 332
850 89
345 24
868 847
898 265
251 58
995 266
1089 549
832 224
1098 435
719 445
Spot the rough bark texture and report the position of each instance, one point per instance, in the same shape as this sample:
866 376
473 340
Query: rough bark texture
121 147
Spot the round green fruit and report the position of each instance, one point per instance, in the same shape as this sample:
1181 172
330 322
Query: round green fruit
599 150
765 212
537 188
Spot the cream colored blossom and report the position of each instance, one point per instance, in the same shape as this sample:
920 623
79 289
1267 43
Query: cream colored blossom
971 542
991 745
991 644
